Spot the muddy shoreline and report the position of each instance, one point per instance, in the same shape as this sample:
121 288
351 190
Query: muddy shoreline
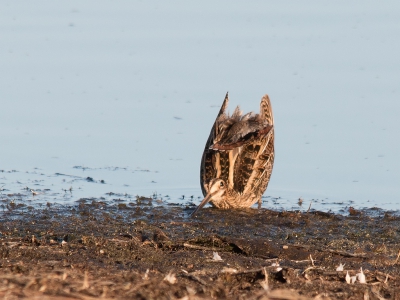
141 251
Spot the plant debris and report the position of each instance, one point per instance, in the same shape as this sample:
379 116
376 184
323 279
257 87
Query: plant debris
90 250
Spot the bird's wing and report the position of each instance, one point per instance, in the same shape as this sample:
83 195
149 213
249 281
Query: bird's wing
253 165
266 163
214 164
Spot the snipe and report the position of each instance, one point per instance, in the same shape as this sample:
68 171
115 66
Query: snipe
238 157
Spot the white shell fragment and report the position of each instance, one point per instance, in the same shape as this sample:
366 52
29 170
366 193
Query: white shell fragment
216 256
340 268
146 275
171 278
361 276
348 277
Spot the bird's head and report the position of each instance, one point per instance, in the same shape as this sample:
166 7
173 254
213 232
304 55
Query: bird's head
216 192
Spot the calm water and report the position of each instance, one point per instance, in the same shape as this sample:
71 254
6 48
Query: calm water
126 92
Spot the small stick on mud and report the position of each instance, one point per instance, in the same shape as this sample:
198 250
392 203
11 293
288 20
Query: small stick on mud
195 278
385 275
312 268
259 270
312 261
187 245
340 252
264 284
299 261
85 284
348 254
397 259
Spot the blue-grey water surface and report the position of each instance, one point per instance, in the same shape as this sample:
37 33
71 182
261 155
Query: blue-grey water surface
126 92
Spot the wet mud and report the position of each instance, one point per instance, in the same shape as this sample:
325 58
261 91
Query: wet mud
140 250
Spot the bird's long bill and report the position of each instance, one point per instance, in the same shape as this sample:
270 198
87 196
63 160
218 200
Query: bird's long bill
204 202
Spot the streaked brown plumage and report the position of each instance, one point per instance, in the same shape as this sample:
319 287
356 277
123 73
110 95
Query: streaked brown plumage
238 157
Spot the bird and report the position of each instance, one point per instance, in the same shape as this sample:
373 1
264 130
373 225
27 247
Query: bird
238 157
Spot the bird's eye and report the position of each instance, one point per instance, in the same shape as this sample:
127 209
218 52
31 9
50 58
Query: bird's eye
221 184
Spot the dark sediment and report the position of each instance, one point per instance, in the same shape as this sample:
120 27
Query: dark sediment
137 251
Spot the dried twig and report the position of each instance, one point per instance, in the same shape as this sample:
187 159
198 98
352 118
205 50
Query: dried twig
197 247
345 253
260 270
265 284
85 284
312 260
385 275
194 278
397 259
340 252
